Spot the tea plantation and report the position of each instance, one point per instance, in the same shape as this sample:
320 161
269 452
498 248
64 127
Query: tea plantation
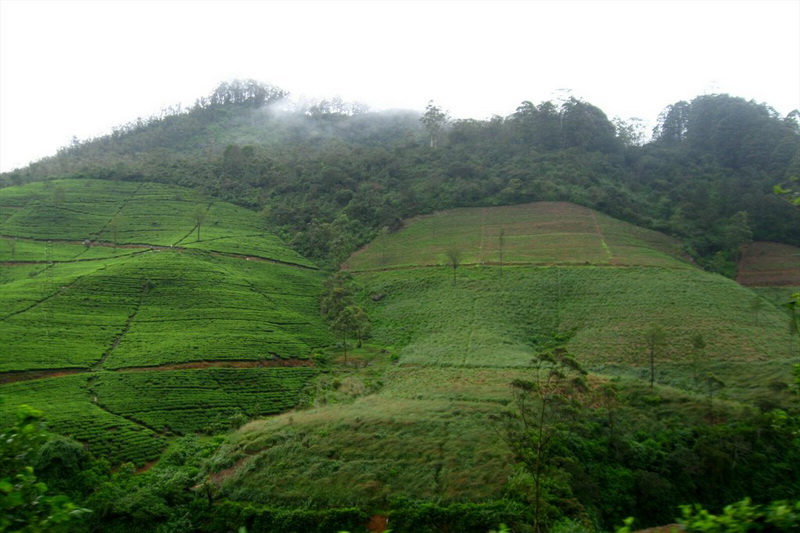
99 276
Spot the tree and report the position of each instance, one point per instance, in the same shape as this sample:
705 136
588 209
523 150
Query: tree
337 294
350 322
586 126
738 234
26 504
789 190
629 132
200 215
673 124
338 306
435 121
453 260
544 407
655 338
794 316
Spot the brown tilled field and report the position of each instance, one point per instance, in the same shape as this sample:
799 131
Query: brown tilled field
766 264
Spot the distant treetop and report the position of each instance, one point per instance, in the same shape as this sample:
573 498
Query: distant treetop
249 92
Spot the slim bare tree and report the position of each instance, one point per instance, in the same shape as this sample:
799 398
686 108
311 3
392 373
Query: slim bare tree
453 260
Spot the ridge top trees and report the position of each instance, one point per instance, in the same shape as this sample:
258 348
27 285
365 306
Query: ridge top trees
435 120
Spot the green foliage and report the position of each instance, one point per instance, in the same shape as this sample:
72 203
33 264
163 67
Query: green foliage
333 178
655 339
328 179
742 516
261 519
338 306
435 121
26 503
538 233
545 409
428 517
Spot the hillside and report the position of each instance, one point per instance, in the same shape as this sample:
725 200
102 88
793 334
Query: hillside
330 175
144 293
569 276
544 233
148 317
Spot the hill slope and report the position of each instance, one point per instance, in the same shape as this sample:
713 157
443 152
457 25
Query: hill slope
539 233
460 340
100 276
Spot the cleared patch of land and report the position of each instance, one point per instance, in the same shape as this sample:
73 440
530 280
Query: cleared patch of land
543 233
765 264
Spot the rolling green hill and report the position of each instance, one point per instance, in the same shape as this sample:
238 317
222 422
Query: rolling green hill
568 275
144 292
145 332
137 312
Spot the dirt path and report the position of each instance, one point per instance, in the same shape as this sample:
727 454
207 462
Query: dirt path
134 246
28 375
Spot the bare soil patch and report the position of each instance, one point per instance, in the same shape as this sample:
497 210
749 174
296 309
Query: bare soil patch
13 377
766 264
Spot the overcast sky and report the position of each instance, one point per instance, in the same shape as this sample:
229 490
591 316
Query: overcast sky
80 68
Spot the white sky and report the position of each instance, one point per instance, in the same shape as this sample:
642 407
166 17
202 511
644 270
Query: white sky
82 67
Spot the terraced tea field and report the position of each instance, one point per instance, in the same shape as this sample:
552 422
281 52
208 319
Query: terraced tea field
67 213
71 410
143 291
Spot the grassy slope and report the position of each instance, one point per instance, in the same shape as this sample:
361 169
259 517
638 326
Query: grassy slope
426 433
540 233
106 307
